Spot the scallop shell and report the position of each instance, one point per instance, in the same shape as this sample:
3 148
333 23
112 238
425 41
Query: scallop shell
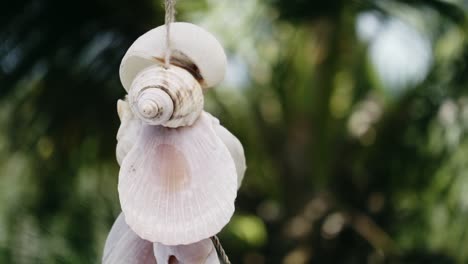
202 252
123 246
178 186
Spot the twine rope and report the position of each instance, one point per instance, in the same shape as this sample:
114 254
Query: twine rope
219 248
169 18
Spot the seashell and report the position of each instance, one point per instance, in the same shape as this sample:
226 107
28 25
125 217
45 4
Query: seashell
202 252
178 186
170 97
128 131
192 48
235 149
123 246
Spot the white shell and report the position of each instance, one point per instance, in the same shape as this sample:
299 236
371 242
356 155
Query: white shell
202 252
193 48
123 246
235 149
128 131
178 186
169 97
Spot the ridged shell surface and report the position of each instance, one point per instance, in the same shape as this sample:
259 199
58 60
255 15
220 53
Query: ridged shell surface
123 246
178 186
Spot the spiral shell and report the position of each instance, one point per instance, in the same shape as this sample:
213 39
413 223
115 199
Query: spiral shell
170 97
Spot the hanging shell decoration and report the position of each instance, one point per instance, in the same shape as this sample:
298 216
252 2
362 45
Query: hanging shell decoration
179 168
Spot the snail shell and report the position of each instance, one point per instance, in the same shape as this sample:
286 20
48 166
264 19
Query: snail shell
197 61
170 97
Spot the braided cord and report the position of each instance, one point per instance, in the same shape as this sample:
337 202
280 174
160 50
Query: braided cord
219 248
169 18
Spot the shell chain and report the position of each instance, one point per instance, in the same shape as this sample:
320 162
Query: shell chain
169 18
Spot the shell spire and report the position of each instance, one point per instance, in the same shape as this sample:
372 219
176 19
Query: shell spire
170 97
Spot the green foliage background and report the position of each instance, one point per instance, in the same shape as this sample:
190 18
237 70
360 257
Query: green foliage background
344 165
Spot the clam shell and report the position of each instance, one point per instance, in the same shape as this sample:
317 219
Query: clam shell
202 252
123 246
178 185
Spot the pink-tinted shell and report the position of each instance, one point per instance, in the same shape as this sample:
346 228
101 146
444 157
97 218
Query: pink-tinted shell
123 246
178 186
